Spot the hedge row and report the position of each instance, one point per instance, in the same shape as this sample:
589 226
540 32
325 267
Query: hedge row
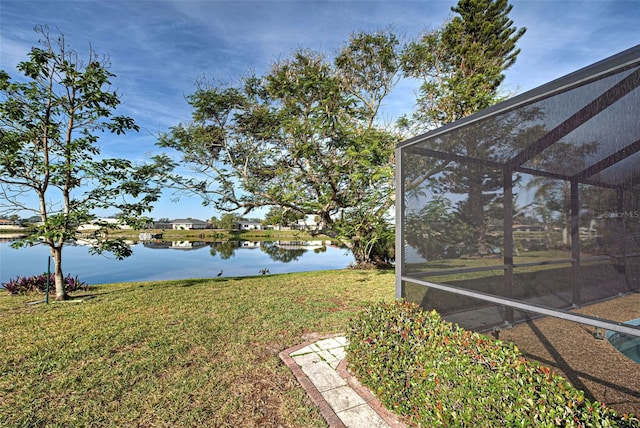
434 373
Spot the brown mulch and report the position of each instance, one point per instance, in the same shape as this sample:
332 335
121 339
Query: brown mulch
571 350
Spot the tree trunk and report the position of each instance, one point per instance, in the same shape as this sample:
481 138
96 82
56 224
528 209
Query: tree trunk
476 213
61 292
546 221
357 249
365 259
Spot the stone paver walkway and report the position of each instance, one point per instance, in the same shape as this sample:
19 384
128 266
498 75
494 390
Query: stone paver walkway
320 367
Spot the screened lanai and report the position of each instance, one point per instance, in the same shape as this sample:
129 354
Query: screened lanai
528 208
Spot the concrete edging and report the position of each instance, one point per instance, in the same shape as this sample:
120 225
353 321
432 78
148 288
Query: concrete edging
325 408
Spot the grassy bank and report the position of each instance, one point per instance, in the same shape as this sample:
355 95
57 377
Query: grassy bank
186 353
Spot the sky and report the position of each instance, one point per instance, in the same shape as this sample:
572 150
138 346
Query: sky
159 49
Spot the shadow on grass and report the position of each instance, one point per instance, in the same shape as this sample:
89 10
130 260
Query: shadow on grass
153 285
363 274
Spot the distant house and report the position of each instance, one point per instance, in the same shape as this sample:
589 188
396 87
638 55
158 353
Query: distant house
10 224
163 225
527 228
248 225
309 222
110 222
189 224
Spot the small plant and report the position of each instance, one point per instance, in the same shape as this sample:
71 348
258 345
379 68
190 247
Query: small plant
435 373
38 284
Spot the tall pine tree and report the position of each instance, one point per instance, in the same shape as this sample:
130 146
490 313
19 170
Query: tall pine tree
461 66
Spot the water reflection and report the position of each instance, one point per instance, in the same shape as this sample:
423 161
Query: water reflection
181 259
280 251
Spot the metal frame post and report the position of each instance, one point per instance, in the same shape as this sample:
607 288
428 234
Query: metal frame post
575 243
508 240
400 256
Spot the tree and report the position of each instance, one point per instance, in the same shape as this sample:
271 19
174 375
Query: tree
48 131
553 196
304 137
228 221
282 216
461 66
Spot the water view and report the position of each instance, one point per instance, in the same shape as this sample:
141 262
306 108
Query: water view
162 260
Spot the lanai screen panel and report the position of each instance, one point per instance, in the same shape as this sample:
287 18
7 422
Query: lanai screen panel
534 200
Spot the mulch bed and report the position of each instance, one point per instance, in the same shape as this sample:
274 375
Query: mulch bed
571 350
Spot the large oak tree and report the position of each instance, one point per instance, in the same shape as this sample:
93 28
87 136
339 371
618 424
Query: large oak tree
305 137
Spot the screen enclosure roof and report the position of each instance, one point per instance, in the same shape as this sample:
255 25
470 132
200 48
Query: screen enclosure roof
583 127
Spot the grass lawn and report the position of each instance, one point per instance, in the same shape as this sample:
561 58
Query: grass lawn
186 353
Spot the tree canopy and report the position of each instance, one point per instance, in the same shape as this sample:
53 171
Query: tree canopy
461 66
305 137
50 162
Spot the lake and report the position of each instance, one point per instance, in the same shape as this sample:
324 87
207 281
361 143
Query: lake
163 260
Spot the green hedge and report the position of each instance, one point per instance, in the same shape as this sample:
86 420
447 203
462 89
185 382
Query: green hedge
434 373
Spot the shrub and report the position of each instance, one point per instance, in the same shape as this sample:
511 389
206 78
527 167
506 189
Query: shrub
38 284
434 373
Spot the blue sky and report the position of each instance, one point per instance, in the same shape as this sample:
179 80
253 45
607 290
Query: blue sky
159 48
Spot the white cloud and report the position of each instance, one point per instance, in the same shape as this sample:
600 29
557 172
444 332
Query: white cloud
159 48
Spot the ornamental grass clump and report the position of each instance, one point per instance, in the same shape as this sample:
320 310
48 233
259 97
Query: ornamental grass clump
434 373
38 284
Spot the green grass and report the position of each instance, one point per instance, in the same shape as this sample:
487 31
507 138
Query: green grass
547 284
187 353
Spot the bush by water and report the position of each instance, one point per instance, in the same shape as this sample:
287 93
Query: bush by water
38 284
